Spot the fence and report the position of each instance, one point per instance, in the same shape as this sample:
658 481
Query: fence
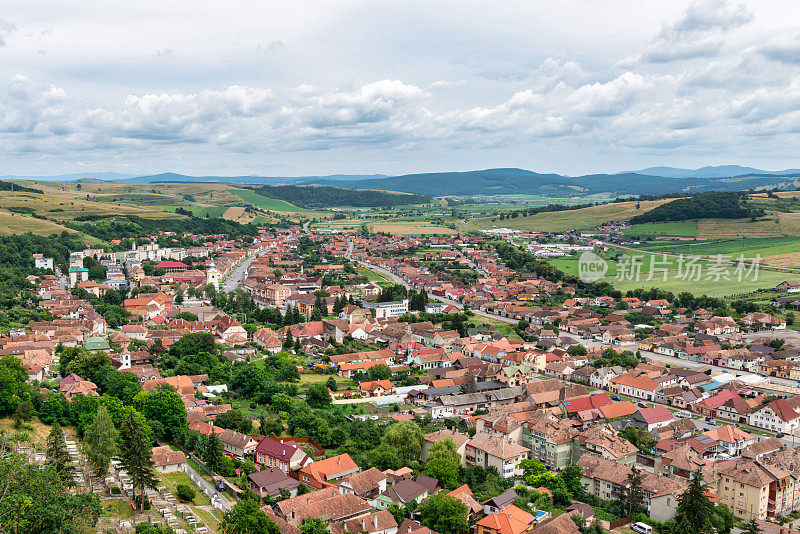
218 499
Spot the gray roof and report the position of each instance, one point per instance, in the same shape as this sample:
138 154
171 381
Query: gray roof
502 500
483 396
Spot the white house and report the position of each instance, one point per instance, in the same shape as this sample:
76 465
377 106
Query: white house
777 416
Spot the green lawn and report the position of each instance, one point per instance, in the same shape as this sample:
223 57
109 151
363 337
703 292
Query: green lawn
171 481
678 229
117 508
503 327
265 203
307 379
372 276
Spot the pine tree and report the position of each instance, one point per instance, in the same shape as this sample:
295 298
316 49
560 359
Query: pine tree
136 453
339 304
57 455
213 452
288 342
695 511
319 310
100 441
262 423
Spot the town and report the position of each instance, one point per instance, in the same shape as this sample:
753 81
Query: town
320 381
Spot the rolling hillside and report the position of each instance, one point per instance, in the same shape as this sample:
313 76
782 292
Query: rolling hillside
520 181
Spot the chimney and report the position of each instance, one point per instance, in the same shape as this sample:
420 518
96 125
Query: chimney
339 460
375 520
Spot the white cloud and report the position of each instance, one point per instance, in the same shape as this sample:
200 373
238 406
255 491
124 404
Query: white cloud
467 86
6 29
699 33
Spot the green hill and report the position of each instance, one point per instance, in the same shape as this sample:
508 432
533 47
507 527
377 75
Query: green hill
520 181
318 196
712 205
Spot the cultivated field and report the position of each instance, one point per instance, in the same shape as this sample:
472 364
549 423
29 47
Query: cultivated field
652 275
15 223
412 229
558 221
266 203
672 229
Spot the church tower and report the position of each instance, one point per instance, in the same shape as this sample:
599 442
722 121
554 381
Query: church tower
212 276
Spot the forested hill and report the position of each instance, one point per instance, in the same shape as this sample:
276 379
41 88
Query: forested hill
11 186
520 181
712 205
326 196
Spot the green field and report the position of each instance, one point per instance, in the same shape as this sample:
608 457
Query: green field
653 267
748 246
503 327
369 274
558 221
677 229
265 203
200 211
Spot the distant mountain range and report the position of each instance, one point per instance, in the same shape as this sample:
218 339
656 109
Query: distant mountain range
720 171
650 181
522 182
105 176
265 180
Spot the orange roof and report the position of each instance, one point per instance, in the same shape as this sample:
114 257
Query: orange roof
329 467
361 365
619 409
728 434
375 384
510 520
638 382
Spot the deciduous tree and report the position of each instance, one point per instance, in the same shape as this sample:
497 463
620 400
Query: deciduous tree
444 514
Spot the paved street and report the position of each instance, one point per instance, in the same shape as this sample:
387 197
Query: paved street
236 277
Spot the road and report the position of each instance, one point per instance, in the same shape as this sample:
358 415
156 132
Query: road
235 278
401 281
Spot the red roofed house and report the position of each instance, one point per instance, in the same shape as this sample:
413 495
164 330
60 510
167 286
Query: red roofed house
710 405
171 266
777 416
285 456
652 418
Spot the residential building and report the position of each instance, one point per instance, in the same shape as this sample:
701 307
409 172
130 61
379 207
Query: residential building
484 450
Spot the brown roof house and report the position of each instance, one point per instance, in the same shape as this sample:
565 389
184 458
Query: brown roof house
165 460
270 482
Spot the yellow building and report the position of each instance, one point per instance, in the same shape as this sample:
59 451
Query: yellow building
754 490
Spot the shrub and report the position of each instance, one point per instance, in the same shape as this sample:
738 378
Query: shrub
184 493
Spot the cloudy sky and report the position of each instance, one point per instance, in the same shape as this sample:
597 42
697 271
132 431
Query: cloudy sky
392 86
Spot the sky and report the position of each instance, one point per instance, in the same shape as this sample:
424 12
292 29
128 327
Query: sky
287 88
